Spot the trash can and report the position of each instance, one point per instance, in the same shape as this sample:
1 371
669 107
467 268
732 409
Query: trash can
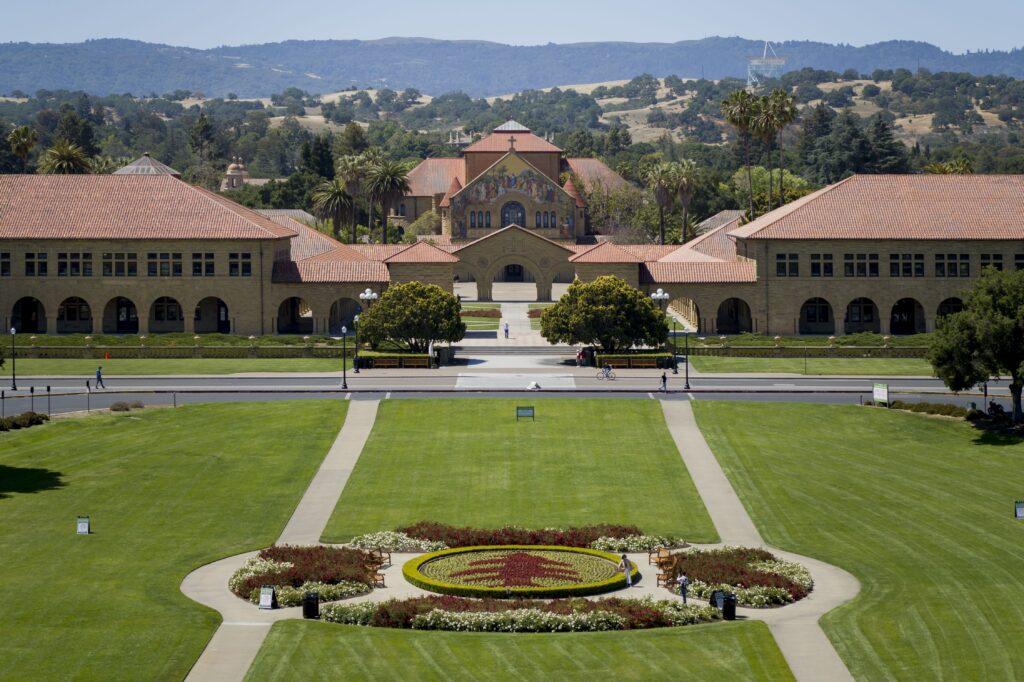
311 605
729 607
717 599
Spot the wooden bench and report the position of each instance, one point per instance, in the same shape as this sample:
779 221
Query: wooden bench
656 556
664 580
416 362
385 363
643 362
378 580
382 556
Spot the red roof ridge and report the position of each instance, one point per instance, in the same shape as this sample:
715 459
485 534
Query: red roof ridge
606 252
240 211
453 189
768 219
570 189
515 227
422 252
341 252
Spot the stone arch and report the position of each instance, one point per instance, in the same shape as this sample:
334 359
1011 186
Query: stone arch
734 317
28 316
295 316
948 307
907 317
861 316
513 213
120 316
74 316
343 312
541 277
211 316
816 317
688 311
166 316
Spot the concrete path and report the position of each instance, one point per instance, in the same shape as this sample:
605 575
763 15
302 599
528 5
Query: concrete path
795 627
238 639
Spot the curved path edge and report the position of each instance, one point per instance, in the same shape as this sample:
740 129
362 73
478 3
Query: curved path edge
803 643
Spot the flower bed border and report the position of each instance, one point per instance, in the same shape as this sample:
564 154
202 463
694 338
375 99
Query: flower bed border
411 572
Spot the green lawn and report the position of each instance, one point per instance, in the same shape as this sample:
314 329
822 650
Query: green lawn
297 650
481 324
918 508
862 366
535 321
469 462
30 367
167 491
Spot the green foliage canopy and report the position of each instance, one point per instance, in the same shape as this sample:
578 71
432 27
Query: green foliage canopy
413 315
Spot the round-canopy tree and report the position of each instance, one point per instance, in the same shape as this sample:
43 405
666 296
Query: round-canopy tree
985 338
413 315
607 313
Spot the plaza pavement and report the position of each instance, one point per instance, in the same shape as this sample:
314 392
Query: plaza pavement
237 641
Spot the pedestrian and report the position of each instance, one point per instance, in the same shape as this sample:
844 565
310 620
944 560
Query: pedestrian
579 358
627 570
506 330
684 583
664 383
99 378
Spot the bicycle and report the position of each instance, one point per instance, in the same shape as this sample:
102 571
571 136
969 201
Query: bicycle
606 374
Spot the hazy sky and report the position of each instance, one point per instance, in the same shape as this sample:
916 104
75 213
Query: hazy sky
950 24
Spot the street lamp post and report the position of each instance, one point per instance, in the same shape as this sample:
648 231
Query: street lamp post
368 297
14 362
661 298
355 353
344 357
686 341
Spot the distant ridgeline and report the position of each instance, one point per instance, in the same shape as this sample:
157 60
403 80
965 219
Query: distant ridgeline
437 66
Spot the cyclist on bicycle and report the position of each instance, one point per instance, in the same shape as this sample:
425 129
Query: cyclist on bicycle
606 370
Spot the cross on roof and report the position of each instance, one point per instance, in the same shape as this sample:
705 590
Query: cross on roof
511 143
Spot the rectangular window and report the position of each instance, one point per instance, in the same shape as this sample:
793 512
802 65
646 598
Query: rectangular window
203 265
821 265
163 264
35 265
1018 261
120 265
906 265
239 265
787 265
5 264
992 260
74 264
952 265
860 264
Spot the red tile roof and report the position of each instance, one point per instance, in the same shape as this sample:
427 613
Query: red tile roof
595 172
524 142
715 244
308 242
570 189
378 252
605 252
901 207
453 189
648 252
712 272
422 252
518 228
325 268
433 176
123 207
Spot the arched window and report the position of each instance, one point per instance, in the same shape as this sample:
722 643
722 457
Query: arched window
538 219
545 219
479 218
472 218
487 219
554 219
401 210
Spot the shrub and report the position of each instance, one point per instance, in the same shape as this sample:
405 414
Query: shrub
470 537
137 405
944 409
292 596
23 421
756 576
636 543
290 566
120 406
393 541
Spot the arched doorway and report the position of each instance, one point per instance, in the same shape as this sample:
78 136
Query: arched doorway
513 213
294 316
516 279
343 312
816 317
907 317
74 316
734 317
165 316
120 316
948 307
28 316
862 316
211 316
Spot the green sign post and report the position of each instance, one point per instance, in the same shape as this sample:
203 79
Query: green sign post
524 411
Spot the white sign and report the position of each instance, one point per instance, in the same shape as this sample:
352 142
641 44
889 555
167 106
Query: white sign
266 597
880 394
83 525
1019 509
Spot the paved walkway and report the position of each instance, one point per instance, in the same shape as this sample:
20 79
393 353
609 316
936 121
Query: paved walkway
795 627
238 639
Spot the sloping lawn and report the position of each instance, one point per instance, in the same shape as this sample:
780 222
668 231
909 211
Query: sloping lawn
322 651
167 491
469 462
918 508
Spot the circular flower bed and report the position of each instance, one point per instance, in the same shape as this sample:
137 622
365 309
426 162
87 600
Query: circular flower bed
757 577
334 573
536 571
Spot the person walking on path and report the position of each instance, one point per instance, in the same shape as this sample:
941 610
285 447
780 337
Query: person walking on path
506 330
99 378
684 583
664 383
627 569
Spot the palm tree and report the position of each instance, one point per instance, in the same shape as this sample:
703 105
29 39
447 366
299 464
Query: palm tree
784 107
663 181
738 109
64 158
22 139
764 126
351 170
369 157
331 200
386 183
686 172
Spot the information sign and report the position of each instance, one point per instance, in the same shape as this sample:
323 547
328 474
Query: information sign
1018 509
880 394
267 598
522 412
83 525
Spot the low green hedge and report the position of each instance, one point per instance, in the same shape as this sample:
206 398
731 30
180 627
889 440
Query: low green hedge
411 572
24 420
664 360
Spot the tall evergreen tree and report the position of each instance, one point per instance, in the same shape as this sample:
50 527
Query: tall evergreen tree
352 141
200 136
888 155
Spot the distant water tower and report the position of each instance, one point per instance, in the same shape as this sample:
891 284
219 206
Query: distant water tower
765 67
